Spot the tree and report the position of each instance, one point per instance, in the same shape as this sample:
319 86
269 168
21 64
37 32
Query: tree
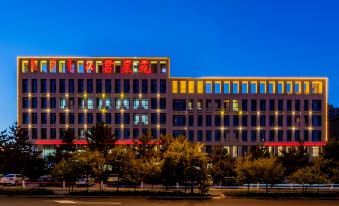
330 150
270 171
246 171
259 151
144 147
67 147
223 165
307 176
67 170
294 159
100 138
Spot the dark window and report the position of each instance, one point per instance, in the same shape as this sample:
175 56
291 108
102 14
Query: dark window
43 85
127 118
162 118
25 103
135 133
253 105
127 133
297 105
191 135
316 105
34 87
108 86
271 136
297 135
289 105
25 86
52 85
89 118
316 135
272 105
108 118
289 120
52 133
208 135
62 118
53 102
127 86
262 120
316 120
280 120
162 131
71 86
244 120
226 120
280 135
52 118
34 133
43 102
43 133
154 86
208 120
71 118
217 121
244 105
162 103
135 86
98 88
62 85
117 86
253 136
306 105
117 118
244 136
34 102
199 120
81 118
271 122
191 120
199 135
144 86
306 135
179 105
262 135
163 86
153 103
25 118
89 86
81 86
262 105
179 120
154 118
99 117
217 135
235 120
253 120
280 105
289 135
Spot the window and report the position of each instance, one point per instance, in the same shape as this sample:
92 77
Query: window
316 120
135 103
34 102
108 118
135 86
53 103
136 119
25 103
280 87
289 88
262 105
253 105
89 118
162 86
244 87
179 120
272 105
117 103
43 86
217 120
81 67
43 102
316 135
289 105
163 67
25 86
144 119
235 105
199 105
63 103
25 118
108 86
217 87
280 105
253 136
81 118
126 118
34 85
81 103
182 87
99 118
81 87
179 105
174 87
162 103
297 105
144 86
127 87
98 85
262 120
144 103
208 135
117 117
24 67
262 87
235 120
199 120
89 86
200 87
191 87
90 103
306 87
208 120
254 87
297 87
154 88
62 85
153 103
244 136
154 66
253 120
117 88
306 105
135 67
162 118
208 87
126 103
99 103
62 118
108 103
317 87
271 87
154 118
71 118
235 86
244 121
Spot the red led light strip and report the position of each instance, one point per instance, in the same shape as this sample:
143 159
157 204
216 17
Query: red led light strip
293 144
84 142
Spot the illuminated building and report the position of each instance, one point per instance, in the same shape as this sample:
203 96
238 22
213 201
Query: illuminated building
135 95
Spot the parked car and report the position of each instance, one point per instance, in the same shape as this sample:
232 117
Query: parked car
13 179
84 182
112 180
48 180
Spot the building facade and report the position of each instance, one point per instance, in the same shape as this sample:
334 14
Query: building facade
135 95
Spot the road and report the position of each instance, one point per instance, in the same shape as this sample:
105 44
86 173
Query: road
18 201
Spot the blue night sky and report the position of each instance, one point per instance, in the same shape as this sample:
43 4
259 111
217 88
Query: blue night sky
203 38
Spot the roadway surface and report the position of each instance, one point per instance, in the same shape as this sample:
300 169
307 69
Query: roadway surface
18 201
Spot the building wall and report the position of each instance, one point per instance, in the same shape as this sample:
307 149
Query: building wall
186 99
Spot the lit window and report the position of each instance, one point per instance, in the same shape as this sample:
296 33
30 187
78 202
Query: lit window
81 67
208 87
24 67
144 103
135 103
98 66
126 103
217 87
297 87
43 66
62 67
227 88
117 103
254 88
62 103
262 87
117 67
235 89
280 87
135 119
183 87
144 119
174 87
99 103
135 66
244 87
200 87
163 67
306 87
289 88
191 87
271 87
90 103
235 105
317 87
108 103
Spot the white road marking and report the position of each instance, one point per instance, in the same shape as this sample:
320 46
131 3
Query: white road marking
86 203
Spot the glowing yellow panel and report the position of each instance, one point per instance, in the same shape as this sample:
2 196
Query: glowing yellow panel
227 87
62 67
200 87
306 87
271 87
24 66
244 87
191 87
183 87
297 87
289 87
281 87
317 87
174 87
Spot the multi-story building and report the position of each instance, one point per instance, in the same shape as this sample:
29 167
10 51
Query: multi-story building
135 95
